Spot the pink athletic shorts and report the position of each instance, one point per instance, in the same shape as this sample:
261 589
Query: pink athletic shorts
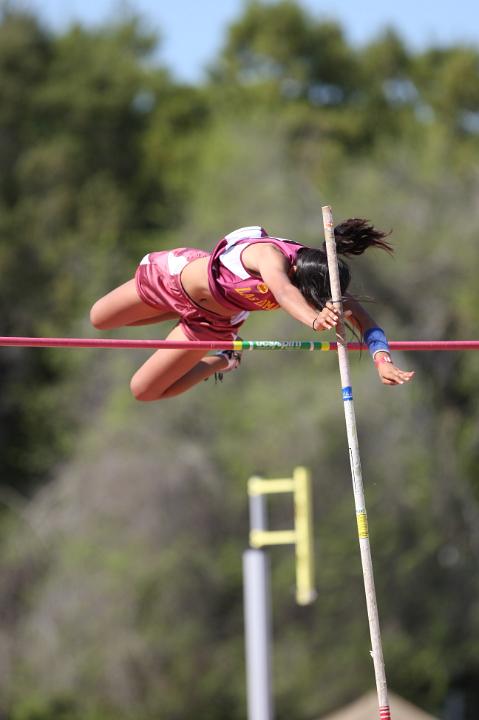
158 283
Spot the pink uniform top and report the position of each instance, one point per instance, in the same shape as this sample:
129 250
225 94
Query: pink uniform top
230 282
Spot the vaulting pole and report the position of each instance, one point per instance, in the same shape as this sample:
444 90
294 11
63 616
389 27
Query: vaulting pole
361 516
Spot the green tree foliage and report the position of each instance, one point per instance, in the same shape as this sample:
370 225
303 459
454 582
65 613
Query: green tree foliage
121 574
88 163
448 81
279 44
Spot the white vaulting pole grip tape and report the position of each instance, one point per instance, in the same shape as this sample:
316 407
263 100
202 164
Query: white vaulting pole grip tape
358 489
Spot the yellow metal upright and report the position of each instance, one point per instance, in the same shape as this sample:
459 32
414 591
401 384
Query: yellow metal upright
302 534
303 520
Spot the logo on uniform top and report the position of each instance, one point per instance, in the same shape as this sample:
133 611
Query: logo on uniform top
262 303
262 288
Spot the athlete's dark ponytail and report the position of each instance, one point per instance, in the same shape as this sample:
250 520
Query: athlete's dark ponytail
356 235
311 275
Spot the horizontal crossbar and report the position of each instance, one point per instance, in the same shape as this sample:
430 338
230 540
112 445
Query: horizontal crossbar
407 345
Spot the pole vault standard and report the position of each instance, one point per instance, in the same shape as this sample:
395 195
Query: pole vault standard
406 345
356 474
256 575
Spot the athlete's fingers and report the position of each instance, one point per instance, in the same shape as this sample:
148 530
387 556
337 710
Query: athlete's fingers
391 375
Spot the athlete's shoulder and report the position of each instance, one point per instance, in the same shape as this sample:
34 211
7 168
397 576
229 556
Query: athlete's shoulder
248 232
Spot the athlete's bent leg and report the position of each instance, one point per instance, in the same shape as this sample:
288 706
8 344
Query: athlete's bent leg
171 372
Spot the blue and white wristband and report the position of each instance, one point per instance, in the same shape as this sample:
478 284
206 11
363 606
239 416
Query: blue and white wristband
376 341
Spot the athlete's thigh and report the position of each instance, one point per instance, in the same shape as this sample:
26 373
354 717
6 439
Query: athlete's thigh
122 306
164 368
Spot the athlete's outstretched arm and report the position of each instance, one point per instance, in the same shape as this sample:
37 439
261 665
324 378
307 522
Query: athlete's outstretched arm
273 267
363 321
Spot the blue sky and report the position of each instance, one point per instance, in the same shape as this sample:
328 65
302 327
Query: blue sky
193 30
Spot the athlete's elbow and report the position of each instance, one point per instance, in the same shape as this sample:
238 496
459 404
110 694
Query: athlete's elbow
282 296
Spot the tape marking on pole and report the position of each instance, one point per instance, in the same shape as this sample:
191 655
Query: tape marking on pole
362 519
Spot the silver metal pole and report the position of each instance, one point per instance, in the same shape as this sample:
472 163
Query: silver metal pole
257 614
258 519
356 473
257 608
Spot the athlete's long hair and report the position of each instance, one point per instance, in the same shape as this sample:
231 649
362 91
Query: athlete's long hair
311 276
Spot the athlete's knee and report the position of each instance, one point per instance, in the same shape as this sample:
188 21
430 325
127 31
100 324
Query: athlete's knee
97 316
142 391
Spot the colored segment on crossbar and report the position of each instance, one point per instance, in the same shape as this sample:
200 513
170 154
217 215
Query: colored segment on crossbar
239 345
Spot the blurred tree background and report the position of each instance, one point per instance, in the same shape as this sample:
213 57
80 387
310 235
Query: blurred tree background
122 525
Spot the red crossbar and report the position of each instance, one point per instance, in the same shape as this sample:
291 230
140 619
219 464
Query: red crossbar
404 345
